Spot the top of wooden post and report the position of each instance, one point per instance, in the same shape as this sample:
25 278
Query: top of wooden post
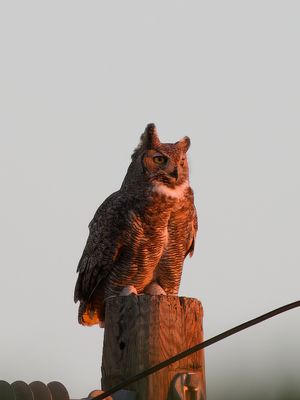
142 331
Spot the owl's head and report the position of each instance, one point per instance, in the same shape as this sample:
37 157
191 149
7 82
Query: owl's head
164 163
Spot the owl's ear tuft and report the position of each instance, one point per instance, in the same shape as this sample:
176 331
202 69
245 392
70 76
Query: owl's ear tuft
149 139
184 144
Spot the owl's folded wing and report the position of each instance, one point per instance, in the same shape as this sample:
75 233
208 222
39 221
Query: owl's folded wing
107 230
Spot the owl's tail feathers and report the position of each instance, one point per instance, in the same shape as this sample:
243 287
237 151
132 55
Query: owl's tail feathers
88 316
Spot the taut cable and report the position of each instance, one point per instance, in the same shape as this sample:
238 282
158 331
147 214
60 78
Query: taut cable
198 347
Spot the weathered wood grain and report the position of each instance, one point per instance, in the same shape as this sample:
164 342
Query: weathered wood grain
142 331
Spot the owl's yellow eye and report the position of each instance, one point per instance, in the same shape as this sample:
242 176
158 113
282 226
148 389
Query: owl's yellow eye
159 160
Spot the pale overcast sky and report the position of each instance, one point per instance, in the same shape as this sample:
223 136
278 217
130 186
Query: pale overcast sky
79 80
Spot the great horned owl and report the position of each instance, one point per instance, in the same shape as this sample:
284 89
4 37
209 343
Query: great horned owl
141 234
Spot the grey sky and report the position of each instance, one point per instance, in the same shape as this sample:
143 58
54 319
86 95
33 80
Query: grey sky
79 81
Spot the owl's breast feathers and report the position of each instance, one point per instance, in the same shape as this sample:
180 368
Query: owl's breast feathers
182 230
131 238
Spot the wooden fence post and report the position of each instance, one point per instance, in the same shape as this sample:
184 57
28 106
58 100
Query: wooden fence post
141 331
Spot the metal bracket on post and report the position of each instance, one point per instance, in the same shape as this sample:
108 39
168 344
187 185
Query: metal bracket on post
187 387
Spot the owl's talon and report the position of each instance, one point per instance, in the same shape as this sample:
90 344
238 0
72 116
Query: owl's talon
154 289
128 290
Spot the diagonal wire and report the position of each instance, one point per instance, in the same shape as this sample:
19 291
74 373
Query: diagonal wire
198 347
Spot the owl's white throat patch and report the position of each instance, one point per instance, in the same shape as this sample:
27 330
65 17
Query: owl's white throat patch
176 193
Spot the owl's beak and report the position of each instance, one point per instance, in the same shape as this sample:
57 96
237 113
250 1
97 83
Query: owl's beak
174 173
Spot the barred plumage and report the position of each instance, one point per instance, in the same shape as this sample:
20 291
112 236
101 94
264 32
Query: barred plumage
141 234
